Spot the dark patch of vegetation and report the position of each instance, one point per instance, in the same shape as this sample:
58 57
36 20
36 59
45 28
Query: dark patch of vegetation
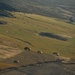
52 8
71 20
4 13
3 22
52 35
6 6
4 10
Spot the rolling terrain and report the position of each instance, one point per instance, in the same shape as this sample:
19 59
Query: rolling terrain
46 27
39 69
24 30
52 8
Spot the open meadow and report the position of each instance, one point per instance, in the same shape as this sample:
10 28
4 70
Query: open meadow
24 30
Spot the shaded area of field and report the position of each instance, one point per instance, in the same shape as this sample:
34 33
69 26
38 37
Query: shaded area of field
4 13
52 35
4 6
58 9
3 22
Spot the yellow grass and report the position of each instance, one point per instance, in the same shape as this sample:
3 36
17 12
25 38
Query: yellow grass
25 28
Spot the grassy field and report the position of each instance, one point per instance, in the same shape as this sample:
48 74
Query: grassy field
24 31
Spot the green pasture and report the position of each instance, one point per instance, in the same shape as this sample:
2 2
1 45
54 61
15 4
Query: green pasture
25 28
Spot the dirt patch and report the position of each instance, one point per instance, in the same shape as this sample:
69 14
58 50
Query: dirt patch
8 52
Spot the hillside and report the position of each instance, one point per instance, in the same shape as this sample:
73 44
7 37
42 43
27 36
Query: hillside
40 69
25 29
53 8
46 27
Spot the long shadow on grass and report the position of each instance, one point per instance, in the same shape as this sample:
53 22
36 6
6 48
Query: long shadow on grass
52 35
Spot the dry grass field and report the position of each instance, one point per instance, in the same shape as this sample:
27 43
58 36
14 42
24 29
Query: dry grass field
24 30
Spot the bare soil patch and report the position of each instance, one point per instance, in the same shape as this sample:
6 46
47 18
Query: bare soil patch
8 52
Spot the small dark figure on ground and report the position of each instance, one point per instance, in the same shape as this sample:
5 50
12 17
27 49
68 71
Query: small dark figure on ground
16 61
27 48
39 52
56 53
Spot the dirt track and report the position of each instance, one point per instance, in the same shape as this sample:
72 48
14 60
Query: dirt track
39 69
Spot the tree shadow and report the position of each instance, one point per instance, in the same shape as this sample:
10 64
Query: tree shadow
52 35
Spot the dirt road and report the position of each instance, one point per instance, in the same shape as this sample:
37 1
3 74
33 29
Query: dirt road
39 69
